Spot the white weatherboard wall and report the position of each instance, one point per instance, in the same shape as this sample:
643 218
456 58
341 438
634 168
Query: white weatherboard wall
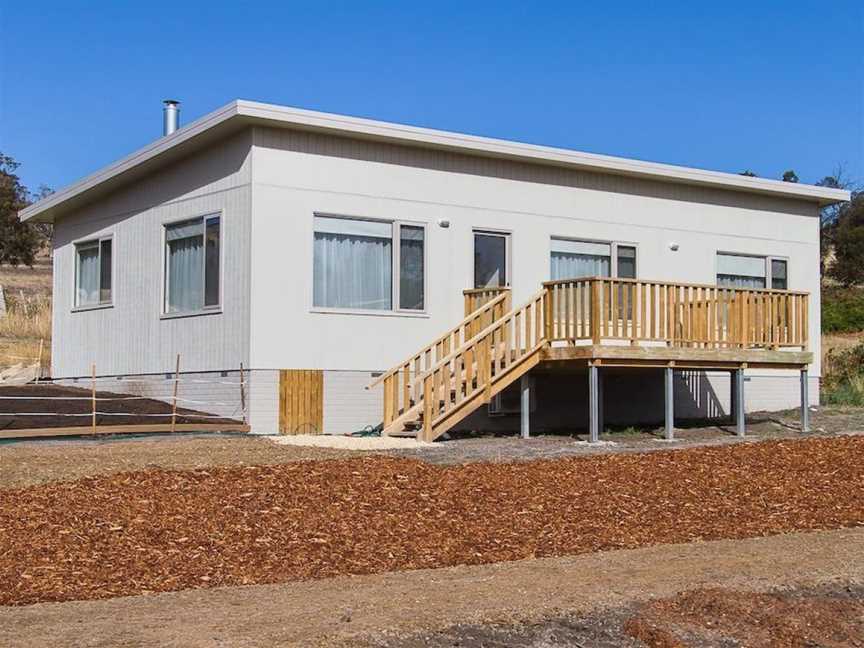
298 174
132 337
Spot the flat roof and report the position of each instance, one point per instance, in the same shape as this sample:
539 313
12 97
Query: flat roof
239 114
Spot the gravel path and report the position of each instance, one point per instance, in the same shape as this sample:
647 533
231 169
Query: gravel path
391 609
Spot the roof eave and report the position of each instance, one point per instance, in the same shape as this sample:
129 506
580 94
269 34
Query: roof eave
279 116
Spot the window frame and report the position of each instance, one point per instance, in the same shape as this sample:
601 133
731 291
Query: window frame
97 242
395 268
206 310
613 254
767 258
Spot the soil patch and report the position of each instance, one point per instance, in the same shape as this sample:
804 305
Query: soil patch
57 412
26 463
156 531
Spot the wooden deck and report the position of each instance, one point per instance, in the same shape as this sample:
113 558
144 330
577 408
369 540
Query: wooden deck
675 357
595 322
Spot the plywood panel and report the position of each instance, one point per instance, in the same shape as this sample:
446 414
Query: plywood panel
301 401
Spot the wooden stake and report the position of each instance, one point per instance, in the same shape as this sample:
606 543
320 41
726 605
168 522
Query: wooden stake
93 393
242 394
174 406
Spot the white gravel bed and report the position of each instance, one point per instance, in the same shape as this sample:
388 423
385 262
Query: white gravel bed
349 443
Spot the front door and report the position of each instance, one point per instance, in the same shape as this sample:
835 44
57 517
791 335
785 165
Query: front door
491 259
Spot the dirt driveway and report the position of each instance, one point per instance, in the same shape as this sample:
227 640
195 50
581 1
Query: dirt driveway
495 602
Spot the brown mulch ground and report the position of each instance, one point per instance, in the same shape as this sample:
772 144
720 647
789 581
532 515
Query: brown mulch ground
132 409
157 530
827 615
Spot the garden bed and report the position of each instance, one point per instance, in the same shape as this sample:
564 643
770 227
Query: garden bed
19 403
157 530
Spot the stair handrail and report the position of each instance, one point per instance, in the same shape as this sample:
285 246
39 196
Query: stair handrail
488 306
485 356
489 329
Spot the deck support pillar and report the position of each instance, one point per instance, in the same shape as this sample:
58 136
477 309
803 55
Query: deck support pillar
805 402
593 409
669 393
739 402
601 414
525 385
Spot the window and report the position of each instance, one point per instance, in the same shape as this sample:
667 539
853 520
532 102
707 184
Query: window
93 273
491 259
411 267
355 259
192 250
572 259
626 261
778 274
747 271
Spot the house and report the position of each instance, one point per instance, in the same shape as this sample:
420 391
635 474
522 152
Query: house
363 271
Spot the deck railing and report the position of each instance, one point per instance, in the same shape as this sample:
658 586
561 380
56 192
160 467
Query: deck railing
681 315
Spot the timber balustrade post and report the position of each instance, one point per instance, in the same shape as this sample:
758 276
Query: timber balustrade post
488 359
595 311
427 407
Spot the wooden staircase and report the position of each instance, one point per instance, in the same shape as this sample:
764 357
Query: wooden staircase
428 403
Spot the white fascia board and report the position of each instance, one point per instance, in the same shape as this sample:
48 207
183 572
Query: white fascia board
163 145
285 117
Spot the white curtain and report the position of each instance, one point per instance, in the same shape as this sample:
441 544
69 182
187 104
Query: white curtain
185 274
740 271
352 271
88 276
566 265
740 281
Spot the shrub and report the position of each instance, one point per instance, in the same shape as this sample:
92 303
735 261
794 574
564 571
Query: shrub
843 376
842 310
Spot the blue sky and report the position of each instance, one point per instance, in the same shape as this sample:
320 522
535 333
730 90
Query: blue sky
728 86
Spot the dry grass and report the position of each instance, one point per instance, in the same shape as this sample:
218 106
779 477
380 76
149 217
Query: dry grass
839 342
28 317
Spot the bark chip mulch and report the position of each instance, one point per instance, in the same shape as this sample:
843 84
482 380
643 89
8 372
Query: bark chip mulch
160 530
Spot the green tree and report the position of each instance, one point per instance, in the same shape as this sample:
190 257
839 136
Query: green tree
847 241
19 241
830 214
790 176
748 173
